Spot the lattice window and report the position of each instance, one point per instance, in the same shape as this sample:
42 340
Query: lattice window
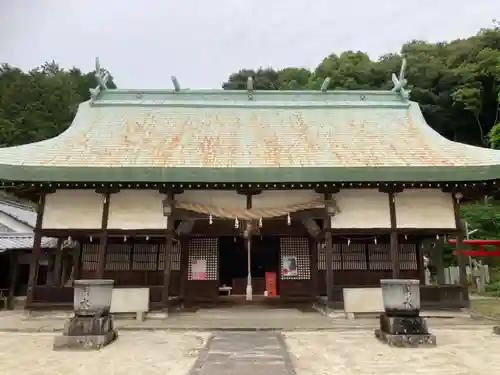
354 256
145 257
90 256
408 257
320 248
118 257
297 247
175 257
337 256
379 257
206 251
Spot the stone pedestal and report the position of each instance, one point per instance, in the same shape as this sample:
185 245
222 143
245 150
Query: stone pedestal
86 332
404 331
92 326
401 325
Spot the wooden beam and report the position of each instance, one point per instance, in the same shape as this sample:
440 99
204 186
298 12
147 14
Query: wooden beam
36 252
394 236
103 240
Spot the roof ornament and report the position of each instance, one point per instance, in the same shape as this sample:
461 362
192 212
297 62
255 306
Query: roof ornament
250 88
324 85
400 82
102 77
175 82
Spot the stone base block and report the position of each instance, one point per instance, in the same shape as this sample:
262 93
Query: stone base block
406 340
91 342
403 325
496 330
86 332
404 331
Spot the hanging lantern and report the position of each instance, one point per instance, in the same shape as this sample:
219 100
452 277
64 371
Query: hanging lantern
210 219
375 240
348 241
260 223
236 223
288 219
147 238
90 238
406 236
124 238
437 236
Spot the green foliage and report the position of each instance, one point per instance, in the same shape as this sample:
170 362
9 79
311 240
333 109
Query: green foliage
41 103
495 136
457 84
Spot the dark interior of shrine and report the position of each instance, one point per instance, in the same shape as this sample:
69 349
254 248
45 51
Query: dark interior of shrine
233 262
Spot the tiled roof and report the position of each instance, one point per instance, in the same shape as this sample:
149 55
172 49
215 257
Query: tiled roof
11 240
22 213
5 229
221 136
16 241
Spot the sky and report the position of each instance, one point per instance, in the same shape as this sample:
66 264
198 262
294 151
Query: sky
144 42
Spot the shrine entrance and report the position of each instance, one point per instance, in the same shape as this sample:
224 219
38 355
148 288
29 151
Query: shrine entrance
233 264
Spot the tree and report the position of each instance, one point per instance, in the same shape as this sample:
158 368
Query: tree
41 103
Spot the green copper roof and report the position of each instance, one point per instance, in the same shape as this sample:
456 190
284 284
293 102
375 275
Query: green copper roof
212 136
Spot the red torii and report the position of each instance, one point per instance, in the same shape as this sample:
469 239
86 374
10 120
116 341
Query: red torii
481 252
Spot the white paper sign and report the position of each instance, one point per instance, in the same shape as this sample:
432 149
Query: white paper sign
289 266
198 269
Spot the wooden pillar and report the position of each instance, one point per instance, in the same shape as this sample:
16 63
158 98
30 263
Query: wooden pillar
49 279
462 260
394 244
57 274
36 252
438 258
103 240
77 263
169 237
327 226
13 277
184 266
420 247
313 251
248 247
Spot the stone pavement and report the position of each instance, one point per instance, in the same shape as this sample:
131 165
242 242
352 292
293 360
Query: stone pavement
459 352
244 353
345 352
133 353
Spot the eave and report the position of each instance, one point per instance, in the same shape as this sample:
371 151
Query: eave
271 175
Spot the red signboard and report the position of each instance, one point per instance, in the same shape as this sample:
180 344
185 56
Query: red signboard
271 283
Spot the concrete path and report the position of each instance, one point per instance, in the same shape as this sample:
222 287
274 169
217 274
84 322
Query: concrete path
244 353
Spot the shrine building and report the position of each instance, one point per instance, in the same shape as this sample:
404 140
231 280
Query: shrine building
198 193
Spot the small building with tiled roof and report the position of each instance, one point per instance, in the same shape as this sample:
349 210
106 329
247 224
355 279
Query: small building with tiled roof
195 192
17 223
